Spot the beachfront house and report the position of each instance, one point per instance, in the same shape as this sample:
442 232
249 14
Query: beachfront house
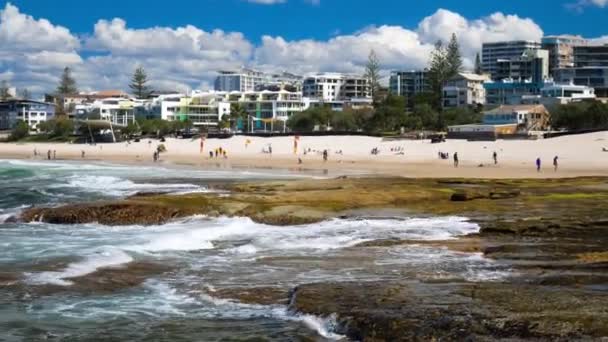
506 120
526 117
31 112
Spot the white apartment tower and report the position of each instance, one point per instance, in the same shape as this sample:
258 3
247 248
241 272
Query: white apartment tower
331 87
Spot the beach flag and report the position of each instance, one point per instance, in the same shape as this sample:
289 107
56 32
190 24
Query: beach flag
296 139
202 144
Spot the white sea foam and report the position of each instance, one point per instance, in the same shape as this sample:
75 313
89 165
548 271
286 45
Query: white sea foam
103 258
116 186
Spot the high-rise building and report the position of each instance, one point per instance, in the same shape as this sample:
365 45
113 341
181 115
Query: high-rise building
241 80
561 50
409 84
591 56
493 52
532 65
590 69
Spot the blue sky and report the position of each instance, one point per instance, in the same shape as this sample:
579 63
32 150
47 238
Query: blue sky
183 43
298 19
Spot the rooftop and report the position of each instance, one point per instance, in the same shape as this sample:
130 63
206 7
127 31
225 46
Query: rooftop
517 108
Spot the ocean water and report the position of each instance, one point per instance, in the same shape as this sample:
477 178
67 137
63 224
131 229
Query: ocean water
49 274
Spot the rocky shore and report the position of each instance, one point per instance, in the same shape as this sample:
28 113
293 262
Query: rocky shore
552 233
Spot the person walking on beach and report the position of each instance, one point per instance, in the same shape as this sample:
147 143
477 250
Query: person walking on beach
155 156
48 155
35 153
555 163
82 154
210 154
54 154
456 162
324 155
538 164
495 157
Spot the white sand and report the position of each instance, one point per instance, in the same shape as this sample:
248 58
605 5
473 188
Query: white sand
579 155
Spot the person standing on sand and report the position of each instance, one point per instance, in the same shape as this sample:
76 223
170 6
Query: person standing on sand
48 155
324 155
82 154
555 163
35 153
538 164
456 161
54 154
495 157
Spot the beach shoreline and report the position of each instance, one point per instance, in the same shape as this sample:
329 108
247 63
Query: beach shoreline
578 156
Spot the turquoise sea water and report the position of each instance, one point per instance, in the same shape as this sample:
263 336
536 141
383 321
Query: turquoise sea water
44 268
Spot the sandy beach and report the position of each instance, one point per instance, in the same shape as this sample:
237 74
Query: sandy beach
579 155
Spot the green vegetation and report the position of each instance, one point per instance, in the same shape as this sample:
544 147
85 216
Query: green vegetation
20 131
139 84
67 83
239 117
56 128
372 74
579 116
478 67
157 127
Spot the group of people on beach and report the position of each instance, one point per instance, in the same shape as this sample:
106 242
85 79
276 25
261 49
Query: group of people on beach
555 163
50 154
443 155
218 152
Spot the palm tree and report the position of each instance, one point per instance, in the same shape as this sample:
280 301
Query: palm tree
237 112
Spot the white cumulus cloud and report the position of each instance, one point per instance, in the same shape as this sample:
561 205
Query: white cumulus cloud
34 51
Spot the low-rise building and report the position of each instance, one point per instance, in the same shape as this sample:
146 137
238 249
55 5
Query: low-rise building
464 90
526 117
560 94
31 112
504 120
115 110
267 110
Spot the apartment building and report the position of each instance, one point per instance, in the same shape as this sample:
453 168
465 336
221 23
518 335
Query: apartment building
206 109
510 92
532 65
493 52
561 50
464 90
31 112
330 87
239 80
590 69
591 56
409 84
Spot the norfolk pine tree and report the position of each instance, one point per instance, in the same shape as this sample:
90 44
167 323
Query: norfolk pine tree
138 84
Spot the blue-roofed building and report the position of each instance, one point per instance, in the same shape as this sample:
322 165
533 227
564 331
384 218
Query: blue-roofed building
31 112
